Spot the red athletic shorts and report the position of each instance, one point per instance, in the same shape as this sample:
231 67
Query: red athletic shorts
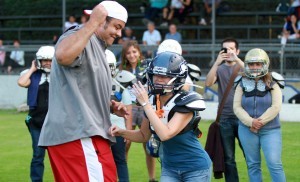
84 160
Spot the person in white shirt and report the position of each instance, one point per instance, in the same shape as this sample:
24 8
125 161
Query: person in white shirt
151 37
16 56
71 22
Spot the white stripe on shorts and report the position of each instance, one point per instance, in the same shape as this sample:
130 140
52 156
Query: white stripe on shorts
94 167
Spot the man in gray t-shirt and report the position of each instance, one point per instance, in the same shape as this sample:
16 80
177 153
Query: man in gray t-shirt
75 131
221 72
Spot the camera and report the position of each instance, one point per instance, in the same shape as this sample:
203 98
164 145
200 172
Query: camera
224 49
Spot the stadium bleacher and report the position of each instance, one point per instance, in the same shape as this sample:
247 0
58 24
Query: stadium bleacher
39 24
250 21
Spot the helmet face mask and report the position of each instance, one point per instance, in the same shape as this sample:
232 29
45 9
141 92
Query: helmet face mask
44 53
256 56
170 65
41 66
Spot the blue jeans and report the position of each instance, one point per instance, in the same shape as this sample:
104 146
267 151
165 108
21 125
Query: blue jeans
168 175
118 150
229 131
269 140
37 162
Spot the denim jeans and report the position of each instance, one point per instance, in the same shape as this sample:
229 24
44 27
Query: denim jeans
37 162
168 175
229 131
118 150
269 140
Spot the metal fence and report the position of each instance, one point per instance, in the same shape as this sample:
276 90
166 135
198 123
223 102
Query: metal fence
283 60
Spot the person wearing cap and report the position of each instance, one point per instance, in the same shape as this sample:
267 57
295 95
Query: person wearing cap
75 130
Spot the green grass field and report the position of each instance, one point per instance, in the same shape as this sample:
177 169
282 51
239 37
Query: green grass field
15 152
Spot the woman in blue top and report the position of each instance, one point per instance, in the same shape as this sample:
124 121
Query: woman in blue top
173 114
257 102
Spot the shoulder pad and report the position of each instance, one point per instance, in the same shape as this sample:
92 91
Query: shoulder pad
278 78
194 72
237 80
191 100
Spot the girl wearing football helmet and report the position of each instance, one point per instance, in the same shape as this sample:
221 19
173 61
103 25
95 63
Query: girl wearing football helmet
257 102
172 114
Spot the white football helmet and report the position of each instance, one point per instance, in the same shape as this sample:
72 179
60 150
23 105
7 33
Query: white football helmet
170 45
124 76
44 52
112 62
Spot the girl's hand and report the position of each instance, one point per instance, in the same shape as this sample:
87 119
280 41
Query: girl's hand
115 131
141 93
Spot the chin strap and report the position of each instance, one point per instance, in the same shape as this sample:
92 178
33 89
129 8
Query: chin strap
159 112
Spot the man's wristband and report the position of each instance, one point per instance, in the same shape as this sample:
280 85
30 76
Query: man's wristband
144 104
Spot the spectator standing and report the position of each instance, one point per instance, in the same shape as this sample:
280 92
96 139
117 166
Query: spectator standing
206 10
153 10
173 34
151 37
168 115
71 22
257 103
2 53
16 57
121 95
75 131
37 79
132 61
290 30
220 73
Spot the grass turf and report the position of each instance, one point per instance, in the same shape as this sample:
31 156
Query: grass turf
16 152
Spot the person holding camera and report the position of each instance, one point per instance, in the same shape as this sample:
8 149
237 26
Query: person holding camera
221 72
37 79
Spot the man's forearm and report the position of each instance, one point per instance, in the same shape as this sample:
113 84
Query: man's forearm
70 47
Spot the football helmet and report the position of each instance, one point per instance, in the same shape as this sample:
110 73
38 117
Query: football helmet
256 55
170 46
44 52
112 62
167 64
125 78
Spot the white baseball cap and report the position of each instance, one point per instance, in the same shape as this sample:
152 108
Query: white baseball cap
114 10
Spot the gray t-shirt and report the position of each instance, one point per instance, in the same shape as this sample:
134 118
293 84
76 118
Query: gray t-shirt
79 97
224 73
